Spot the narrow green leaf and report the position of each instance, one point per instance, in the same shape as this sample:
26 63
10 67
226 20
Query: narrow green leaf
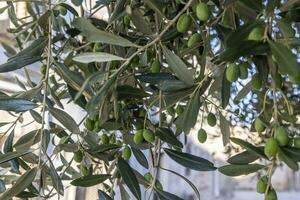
90 180
65 119
96 57
287 61
190 161
156 6
103 196
188 118
244 157
129 92
140 157
225 129
16 104
163 195
11 155
244 91
251 148
22 183
238 170
93 34
140 22
129 177
167 135
291 163
172 85
225 91
56 180
292 152
178 66
186 180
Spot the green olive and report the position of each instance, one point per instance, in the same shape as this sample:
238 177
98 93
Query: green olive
281 136
126 152
202 12
202 135
184 23
232 72
271 147
148 135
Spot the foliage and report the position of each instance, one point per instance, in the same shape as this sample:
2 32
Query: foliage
179 57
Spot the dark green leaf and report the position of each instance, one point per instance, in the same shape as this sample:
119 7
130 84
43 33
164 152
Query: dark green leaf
103 196
22 183
291 163
65 119
128 92
167 135
245 157
190 161
16 104
90 180
237 170
178 66
251 148
163 195
140 157
129 178
287 61
11 155
188 118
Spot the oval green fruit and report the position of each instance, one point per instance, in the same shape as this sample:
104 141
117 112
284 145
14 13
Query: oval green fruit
78 156
202 135
194 39
105 139
256 34
271 147
126 21
97 127
259 125
211 119
232 72
297 142
184 23
43 69
256 81
243 67
138 137
202 12
126 153
148 135
281 136
261 185
84 170
155 66
271 195
89 124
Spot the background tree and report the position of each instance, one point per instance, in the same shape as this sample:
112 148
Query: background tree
232 58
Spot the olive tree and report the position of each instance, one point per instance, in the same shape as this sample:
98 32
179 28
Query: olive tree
173 60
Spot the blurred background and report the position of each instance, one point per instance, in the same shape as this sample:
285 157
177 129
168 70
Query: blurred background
211 185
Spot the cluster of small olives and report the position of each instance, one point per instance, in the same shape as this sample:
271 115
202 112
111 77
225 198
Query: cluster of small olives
234 71
144 134
92 124
211 121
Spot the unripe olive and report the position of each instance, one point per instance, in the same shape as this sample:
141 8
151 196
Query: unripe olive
84 170
158 185
256 34
184 23
105 139
256 81
155 66
97 127
271 195
259 125
243 67
271 147
148 177
148 135
278 80
281 136
62 10
138 137
89 124
126 21
297 142
194 39
202 135
126 152
232 72
202 12
211 119
261 185
179 109
43 69
78 156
